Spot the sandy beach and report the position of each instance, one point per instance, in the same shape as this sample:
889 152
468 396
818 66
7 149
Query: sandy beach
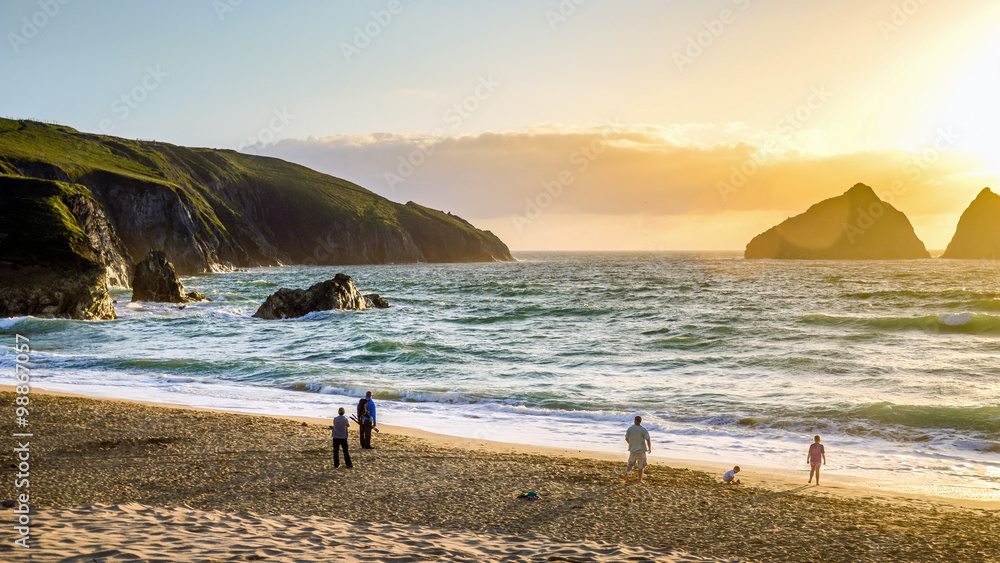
116 481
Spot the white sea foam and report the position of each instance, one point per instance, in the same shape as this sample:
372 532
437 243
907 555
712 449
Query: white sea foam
235 314
11 322
313 316
956 319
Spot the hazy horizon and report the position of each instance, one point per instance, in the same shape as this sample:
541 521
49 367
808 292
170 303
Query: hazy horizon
561 125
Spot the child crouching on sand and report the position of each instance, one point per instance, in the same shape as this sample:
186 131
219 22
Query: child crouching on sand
729 477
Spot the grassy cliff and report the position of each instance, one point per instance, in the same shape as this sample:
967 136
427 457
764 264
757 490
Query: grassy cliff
211 209
37 222
50 263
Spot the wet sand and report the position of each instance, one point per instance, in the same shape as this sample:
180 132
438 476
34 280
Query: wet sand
116 479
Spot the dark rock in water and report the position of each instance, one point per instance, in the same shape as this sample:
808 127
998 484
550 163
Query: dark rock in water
195 296
338 293
978 233
43 292
49 266
375 300
854 226
155 280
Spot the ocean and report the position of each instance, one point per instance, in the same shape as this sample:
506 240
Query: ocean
728 361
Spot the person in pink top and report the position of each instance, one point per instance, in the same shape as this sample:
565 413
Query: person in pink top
815 458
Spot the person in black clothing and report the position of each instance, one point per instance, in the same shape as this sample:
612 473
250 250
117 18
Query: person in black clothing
366 414
340 427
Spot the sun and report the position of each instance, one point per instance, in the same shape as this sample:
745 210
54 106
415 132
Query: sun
973 111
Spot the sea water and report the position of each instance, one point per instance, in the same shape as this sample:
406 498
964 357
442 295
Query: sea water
727 360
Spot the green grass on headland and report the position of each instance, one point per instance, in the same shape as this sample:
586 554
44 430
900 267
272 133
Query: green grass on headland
234 207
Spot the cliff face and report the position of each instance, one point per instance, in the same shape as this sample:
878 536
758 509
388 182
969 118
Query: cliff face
218 209
439 234
854 226
978 233
39 291
49 263
109 248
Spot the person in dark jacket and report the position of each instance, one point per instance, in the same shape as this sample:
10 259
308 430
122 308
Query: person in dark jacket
341 426
368 421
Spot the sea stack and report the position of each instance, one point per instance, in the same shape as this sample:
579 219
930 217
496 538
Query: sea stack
155 280
337 293
978 233
854 226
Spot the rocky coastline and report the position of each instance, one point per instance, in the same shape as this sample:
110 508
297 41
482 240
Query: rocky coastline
77 208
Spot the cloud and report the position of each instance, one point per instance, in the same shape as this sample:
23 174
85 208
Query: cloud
617 170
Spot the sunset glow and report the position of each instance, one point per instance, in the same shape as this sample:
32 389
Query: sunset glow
576 280
648 111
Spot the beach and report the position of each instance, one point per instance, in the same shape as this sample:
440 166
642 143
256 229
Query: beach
113 480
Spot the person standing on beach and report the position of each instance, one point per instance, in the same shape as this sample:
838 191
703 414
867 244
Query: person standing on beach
637 438
366 415
815 457
341 426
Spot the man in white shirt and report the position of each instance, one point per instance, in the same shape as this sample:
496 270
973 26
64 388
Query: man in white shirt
637 438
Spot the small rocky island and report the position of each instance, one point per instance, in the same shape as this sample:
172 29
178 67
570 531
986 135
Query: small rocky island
337 293
978 233
155 280
854 226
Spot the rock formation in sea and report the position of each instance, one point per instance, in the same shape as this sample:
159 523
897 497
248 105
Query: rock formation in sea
213 210
376 301
337 293
854 226
155 280
978 233
55 254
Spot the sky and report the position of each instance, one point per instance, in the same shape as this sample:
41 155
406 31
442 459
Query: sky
560 124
